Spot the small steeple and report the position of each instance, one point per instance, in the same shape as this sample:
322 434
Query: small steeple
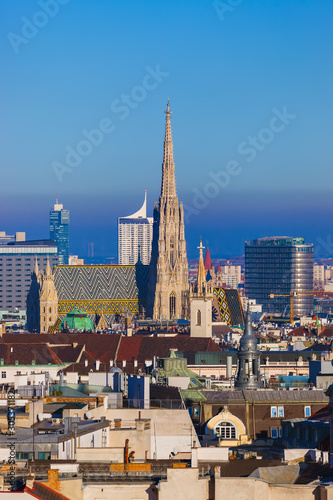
201 269
208 260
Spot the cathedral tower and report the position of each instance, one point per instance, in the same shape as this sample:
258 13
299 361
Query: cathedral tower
168 287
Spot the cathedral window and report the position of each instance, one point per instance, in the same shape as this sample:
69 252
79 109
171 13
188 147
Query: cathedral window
198 318
172 305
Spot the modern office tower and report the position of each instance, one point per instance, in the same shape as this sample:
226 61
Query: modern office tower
279 265
17 260
168 295
59 230
135 234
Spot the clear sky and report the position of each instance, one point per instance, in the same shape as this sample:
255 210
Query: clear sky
250 87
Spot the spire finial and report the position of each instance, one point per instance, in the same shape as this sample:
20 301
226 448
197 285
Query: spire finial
48 271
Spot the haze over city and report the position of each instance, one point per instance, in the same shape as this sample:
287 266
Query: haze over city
227 74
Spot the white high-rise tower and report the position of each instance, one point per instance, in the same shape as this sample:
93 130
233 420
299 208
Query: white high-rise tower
135 234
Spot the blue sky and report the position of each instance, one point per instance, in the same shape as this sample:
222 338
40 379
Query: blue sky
228 70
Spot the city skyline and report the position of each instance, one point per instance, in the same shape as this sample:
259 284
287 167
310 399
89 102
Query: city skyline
253 96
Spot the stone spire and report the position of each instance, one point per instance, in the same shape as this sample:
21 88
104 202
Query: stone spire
48 271
248 373
168 295
36 271
168 185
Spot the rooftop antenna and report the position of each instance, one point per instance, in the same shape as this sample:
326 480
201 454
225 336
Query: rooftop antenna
57 197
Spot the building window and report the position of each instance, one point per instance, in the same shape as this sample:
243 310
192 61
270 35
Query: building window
196 412
198 317
273 411
280 412
307 411
274 433
280 432
225 430
3 375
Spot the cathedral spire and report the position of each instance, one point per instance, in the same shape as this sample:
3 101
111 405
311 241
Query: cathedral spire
168 187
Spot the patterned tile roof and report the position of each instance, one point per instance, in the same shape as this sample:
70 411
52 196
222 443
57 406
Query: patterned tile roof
100 282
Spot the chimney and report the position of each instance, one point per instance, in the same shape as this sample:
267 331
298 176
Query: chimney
85 362
124 363
29 482
98 364
111 363
135 363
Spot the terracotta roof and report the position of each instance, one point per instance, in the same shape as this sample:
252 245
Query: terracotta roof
24 354
208 260
328 332
67 354
43 492
160 346
299 332
129 348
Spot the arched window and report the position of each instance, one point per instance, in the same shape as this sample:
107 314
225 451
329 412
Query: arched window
172 305
198 317
225 430
50 309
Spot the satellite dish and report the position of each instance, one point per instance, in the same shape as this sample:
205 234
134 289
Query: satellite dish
175 451
88 414
40 417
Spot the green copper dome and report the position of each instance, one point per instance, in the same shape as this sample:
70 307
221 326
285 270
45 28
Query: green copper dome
76 320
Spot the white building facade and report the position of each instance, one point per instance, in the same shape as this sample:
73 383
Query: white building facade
135 234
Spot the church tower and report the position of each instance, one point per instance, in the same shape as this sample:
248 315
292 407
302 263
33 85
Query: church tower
168 285
201 301
248 372
48 300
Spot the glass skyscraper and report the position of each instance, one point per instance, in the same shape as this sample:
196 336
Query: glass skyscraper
59 231
279 265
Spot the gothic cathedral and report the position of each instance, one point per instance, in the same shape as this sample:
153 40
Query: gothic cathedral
168 285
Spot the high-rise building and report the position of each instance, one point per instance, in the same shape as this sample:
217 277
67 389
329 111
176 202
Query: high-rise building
59 230
135 235
17 260
168 285
279 265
